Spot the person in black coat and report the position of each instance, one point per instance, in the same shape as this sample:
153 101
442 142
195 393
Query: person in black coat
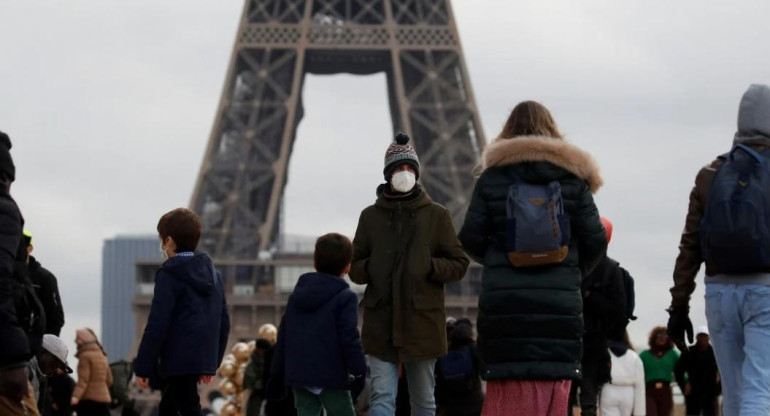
46 289
701 386
458 384
319 353
530 318
17 306
186 333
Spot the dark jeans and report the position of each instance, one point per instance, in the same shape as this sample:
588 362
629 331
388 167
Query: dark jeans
588 388
180 397
660 399
701 404
91 408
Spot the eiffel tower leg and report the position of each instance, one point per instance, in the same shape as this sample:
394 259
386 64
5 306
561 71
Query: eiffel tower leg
243 175
435 100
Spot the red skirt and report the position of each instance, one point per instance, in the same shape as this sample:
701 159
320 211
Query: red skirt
526 398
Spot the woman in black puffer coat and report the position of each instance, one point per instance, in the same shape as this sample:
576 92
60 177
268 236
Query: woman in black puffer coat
530 324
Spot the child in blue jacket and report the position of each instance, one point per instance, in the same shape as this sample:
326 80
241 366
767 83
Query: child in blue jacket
319 352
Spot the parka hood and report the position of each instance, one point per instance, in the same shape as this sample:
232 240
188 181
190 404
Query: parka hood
314 290
197 271
618 348
559 152
419 199
754 116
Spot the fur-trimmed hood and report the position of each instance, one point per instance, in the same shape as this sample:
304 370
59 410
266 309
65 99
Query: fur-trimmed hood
544 149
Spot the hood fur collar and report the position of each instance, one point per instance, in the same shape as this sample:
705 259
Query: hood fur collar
544 149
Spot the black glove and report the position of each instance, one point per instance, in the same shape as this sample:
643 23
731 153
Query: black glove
679 324
13 383
357 384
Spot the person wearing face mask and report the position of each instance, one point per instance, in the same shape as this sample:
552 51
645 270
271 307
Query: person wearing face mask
405 250
186 333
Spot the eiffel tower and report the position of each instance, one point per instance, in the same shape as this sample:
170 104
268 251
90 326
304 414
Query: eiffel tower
415 43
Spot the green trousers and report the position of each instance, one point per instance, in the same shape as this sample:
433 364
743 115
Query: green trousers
336 402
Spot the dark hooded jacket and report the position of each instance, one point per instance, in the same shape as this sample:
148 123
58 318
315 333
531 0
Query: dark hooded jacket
188 326
318 340
47 290
530 325
15 348
753 131
405 250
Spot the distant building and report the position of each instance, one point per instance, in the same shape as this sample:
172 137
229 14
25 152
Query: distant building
119 265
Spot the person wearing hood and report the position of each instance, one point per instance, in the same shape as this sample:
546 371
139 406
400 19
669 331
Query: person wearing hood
319 353
405 250
726 228
186 333
92 392
624 395
530 310
46 289
698 375
458 385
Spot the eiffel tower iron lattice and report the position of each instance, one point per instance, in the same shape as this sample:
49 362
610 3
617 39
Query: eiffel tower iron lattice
415 42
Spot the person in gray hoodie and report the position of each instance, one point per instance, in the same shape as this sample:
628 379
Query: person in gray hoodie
728 229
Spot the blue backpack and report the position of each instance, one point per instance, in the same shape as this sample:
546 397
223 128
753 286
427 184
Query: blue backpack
735 229
456 370
538 230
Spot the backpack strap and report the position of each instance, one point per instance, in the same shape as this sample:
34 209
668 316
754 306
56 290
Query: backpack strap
751 152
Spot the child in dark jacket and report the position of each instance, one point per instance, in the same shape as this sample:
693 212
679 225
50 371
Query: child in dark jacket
319 352
186 333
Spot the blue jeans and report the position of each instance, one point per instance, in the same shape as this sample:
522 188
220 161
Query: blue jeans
385 387
739 323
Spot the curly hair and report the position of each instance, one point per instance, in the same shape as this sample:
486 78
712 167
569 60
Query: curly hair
654 334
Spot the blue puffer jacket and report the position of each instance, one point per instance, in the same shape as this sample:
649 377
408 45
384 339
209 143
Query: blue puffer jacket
318 341
186 332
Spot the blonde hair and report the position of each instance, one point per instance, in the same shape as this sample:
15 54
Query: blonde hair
530 118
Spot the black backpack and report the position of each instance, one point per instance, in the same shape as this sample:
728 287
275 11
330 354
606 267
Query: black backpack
735 229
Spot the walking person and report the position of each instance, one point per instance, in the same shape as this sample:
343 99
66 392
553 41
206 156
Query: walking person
725 229
458 382
319 353
698 375
533 225
92 391
187 329
22 320
46 288
624 395
608 307
405 250
659 363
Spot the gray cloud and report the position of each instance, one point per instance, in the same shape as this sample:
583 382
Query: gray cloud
110 104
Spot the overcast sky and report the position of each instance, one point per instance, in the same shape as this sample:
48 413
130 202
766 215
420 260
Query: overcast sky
110 104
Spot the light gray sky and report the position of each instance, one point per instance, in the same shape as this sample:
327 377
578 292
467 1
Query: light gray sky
110 104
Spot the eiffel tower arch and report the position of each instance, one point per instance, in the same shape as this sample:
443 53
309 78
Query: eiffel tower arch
414 42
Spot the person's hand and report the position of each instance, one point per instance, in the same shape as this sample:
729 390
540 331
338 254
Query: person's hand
13 383
357 384
679 325
205 379
687 389
74 401
142 382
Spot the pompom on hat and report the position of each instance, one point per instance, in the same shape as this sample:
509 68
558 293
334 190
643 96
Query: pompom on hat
400 152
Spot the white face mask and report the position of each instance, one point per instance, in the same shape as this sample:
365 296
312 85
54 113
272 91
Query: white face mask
403 181
163 253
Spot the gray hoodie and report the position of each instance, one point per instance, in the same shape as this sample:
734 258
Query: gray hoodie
754 115
753 128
